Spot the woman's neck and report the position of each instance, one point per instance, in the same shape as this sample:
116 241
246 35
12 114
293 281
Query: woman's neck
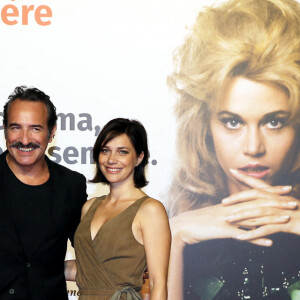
124 191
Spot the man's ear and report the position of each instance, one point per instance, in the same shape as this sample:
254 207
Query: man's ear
52 134
4 129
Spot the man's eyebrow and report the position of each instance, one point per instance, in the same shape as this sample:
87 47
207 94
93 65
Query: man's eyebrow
16 124
13 124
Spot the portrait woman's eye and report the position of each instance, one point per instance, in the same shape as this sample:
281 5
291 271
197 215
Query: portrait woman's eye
275 123
232 123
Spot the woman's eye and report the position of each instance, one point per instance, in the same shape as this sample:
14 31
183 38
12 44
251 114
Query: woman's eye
123 152
104 151
232 123
274 124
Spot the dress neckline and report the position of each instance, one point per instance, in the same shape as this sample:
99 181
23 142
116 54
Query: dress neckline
111 219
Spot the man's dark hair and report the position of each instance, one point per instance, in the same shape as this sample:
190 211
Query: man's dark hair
138 138
31 94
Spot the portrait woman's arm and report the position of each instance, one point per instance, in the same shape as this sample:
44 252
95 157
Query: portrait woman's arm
157 239
196 226
242 209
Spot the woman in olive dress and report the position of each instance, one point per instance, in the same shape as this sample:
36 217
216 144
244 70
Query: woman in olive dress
124 232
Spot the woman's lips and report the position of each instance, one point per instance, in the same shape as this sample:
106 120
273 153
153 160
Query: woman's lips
256 171
111 170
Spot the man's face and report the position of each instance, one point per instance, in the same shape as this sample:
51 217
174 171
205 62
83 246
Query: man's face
26 133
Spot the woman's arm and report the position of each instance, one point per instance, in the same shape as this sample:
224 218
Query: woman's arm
175 283
70 270
156 239
196 226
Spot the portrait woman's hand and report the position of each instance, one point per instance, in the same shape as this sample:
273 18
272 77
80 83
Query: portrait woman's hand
264 208
199 225
207 223
250 215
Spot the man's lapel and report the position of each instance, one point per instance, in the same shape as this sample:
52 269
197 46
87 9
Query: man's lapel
59 191
58 196
9 234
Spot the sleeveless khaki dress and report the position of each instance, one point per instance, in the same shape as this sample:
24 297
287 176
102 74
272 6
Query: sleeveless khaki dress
111 266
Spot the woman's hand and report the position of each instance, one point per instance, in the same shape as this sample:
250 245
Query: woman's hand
264 208
196 226
250 215
208 223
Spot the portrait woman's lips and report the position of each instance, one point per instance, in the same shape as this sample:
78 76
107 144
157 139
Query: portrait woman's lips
256 170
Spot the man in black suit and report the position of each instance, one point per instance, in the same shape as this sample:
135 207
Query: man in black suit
40 202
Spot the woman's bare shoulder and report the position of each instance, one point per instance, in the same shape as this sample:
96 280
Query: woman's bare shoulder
152 207
153 218
87 206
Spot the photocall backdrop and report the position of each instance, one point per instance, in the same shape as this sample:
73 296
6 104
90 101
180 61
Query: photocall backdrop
98 60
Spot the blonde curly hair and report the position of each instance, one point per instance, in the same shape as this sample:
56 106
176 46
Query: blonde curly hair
255 39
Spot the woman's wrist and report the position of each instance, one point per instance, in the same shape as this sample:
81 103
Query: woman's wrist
177 234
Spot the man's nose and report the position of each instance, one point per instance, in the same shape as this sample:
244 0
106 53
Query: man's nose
25 138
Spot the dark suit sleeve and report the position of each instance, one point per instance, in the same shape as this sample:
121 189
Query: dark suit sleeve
81 197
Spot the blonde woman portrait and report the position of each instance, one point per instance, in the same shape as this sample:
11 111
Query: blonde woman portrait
234 200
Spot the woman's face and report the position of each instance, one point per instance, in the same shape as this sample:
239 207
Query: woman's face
251 131
118 159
